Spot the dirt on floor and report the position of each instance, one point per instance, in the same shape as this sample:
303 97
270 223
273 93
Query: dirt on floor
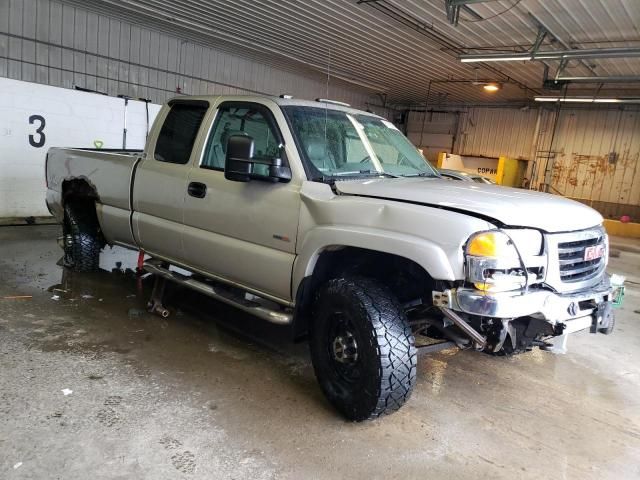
93 386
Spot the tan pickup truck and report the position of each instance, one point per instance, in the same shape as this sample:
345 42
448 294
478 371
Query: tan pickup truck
326 218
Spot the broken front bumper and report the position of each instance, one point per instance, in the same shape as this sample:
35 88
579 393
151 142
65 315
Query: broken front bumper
577 310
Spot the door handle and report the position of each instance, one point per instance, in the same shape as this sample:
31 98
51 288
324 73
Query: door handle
197 189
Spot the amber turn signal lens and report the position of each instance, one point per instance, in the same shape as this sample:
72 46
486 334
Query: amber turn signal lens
483 245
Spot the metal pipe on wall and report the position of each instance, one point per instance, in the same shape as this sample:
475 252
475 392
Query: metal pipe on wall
536 142
424 118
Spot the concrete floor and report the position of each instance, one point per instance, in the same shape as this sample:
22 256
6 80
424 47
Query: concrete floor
184 398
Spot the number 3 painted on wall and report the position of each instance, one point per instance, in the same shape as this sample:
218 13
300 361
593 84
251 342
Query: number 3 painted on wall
40 131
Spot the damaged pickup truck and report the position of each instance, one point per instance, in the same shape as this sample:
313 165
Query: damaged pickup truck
327 219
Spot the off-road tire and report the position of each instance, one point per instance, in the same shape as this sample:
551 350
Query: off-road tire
83 253
386 362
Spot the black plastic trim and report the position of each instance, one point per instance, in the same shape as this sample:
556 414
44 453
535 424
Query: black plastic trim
186 101
132 183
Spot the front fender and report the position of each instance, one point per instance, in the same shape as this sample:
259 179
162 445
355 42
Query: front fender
425 253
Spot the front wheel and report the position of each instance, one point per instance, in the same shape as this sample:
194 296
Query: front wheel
362 348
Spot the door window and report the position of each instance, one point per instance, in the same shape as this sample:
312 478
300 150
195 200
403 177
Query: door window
178 132
242 119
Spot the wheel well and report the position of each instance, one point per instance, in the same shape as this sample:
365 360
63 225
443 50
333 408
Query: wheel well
406 279
78 189
79 203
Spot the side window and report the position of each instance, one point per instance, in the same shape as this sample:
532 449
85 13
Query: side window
178 133
240 119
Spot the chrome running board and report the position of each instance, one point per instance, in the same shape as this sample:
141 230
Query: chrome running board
249 306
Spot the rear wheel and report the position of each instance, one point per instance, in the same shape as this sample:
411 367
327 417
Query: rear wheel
362 348
82 241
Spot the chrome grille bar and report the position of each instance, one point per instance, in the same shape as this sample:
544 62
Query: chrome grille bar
568 270
571 256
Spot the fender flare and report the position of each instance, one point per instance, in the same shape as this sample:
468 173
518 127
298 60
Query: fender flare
430 256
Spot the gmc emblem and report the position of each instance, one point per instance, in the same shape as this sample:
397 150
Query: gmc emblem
594 252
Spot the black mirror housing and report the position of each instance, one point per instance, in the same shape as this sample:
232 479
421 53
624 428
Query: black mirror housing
239 162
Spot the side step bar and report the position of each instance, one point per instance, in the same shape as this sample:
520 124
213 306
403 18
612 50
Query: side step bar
254 308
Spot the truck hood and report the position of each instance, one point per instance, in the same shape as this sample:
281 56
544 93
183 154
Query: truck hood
509 206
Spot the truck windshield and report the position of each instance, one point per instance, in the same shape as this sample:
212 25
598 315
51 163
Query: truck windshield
334 143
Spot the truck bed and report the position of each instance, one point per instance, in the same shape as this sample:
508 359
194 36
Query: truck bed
109 172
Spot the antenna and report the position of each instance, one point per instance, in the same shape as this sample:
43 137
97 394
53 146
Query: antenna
326 109
328 70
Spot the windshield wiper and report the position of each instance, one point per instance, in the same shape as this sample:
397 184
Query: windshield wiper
357 173
423 174
331 179
378 174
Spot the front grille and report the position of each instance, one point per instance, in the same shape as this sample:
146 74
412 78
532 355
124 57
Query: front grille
573 266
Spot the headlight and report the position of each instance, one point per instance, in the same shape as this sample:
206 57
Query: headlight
493 262
490 244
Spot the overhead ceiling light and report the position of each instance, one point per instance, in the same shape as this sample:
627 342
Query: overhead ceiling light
494 59
587 100
491 87
571 54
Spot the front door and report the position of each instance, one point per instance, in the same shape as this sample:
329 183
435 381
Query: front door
243 232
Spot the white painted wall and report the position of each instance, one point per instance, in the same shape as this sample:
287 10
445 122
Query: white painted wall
71 119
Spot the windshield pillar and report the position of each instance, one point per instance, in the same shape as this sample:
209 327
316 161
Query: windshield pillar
367 145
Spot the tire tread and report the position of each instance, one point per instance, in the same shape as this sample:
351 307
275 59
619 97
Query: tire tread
85 245
392 336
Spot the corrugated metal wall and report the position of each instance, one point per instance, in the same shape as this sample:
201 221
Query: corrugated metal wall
434 132
478 131
56 44
591 155
596 159
492 132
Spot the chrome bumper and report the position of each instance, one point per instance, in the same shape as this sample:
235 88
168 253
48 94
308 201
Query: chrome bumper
546 305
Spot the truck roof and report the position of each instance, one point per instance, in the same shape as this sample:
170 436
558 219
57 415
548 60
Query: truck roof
279 101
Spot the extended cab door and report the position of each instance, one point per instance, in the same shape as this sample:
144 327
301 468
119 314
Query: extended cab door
243 232
161 181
